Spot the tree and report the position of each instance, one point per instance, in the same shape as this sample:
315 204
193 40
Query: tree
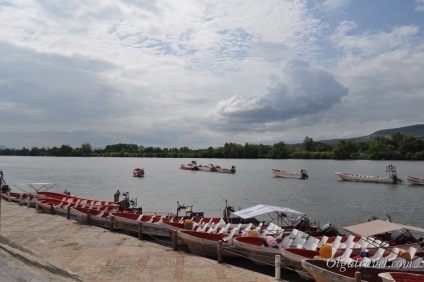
308 144
343 149
86 150
279 151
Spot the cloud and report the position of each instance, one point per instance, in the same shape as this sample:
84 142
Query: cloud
301 90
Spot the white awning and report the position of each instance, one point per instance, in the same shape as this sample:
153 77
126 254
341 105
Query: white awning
263 209
378 226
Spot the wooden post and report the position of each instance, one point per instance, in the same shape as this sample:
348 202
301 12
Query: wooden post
88 217
51 208
219 249
140 231
277 267
29 199
8 196
68 212
175 239
111 222
36 206
21 199
357 276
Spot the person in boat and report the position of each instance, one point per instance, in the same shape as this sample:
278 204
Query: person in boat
116 196
66 192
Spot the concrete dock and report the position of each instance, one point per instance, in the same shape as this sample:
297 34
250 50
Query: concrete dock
36 246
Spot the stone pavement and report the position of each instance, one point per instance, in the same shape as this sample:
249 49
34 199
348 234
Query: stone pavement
36 246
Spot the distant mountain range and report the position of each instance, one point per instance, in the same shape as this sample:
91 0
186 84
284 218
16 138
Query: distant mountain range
414 130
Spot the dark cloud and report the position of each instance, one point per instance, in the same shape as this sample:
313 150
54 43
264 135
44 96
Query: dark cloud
301 90
39 88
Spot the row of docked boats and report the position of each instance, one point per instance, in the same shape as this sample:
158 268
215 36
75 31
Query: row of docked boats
317 252
209 168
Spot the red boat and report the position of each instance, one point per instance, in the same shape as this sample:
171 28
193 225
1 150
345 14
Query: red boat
74 199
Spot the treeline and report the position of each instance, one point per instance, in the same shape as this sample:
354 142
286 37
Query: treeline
395 147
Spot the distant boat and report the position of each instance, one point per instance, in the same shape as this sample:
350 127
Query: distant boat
225 170
303 174
415 180
138 172
390 170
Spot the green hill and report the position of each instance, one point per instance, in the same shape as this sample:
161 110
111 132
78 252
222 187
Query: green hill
415 130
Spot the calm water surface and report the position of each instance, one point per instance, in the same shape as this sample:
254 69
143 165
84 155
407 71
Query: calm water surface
323 196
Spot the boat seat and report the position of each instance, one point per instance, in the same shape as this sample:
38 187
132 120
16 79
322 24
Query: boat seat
301 243
224 229
342 246
286 242
246 229
345 256
293 233
311 243
377 255
335 244
384 260
230 236
416 262
323 241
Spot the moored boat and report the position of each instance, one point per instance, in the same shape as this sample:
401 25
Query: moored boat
206 244
151 224
372 235
286 174
138 172
21 198
333 271
190 166
209 168
415 180
391 178
100 218
74 199
225 170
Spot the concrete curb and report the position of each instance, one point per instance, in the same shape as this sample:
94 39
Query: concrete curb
29 258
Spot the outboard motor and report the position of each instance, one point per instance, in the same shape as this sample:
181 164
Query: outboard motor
233 169
329 230
303 174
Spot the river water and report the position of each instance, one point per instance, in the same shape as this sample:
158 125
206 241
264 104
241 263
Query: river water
323 196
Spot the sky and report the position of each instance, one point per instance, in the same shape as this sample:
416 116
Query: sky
200 73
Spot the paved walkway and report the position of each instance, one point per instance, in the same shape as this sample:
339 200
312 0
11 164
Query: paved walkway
36 246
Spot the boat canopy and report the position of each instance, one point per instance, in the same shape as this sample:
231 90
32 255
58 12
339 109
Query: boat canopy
378 226
264 209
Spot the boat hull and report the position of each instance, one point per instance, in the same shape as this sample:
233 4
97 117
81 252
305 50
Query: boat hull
286 174
252 248
151 225
206 244
415 180
365 178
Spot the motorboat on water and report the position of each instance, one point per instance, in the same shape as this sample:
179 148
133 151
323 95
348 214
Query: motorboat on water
138 172
391 178
415 180
303 174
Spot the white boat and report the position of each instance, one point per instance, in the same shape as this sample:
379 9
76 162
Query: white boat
415 180
225 170
286 174
391 178
209 168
